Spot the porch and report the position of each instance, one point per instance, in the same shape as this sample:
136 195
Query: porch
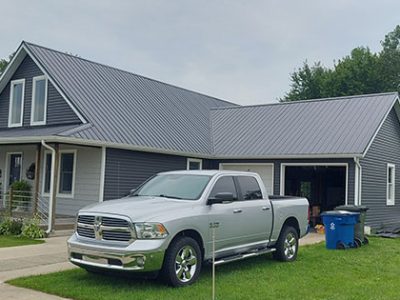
50 181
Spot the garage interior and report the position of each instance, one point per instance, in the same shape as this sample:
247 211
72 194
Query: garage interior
323 186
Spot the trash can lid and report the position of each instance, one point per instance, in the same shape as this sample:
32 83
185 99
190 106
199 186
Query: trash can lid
354 208
339 213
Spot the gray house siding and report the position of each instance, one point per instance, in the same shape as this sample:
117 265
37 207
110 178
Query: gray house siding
126 169
385 149
277 170
58 111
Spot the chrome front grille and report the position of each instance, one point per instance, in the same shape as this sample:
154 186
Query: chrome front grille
105 228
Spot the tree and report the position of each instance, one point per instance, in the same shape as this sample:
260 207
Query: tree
307 82
4 63
361 72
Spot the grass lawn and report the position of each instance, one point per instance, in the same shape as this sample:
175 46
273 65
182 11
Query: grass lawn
12 241
371 272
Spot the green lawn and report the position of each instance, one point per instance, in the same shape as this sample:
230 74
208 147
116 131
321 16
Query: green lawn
12 241
371 272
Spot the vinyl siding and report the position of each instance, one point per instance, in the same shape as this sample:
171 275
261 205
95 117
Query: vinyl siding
385 149
87 180
126 169
58 111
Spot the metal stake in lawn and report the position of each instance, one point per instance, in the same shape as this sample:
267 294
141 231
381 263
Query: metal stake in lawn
213 226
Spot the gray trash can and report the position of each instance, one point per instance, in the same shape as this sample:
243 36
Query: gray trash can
359 235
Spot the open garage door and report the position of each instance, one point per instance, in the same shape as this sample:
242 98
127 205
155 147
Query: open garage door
266 172
325 187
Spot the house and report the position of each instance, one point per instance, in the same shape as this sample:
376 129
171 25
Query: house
81 132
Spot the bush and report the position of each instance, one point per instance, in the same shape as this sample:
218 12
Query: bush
31 229
22 193
11 226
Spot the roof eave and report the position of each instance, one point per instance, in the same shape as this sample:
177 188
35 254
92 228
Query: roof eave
97 143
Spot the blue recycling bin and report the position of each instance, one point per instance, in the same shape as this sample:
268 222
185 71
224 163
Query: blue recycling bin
339 228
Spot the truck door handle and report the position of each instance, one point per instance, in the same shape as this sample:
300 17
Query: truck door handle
265 208
237 211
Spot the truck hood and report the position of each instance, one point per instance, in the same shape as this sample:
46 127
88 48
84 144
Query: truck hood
139 209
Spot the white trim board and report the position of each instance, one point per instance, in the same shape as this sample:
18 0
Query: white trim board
102 173
63 195
282 175
197 160
396 101
11 101
7 168
33 103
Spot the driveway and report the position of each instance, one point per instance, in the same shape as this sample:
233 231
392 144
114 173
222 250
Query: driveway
32 260
51 257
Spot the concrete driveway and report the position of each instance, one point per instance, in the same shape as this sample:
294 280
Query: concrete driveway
51 257
32 260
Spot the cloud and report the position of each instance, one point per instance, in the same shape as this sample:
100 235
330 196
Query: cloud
242 51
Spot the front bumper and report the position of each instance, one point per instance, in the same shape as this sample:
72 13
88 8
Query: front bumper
113 258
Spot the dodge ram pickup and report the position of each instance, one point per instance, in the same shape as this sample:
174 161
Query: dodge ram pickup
165 225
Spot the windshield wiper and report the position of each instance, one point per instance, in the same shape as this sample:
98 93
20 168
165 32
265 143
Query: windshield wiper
168 196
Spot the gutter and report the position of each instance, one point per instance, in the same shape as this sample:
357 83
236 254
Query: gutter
51 198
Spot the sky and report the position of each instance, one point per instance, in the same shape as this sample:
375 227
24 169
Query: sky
240 51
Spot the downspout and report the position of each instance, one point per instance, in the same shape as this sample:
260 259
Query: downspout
358 183
51 198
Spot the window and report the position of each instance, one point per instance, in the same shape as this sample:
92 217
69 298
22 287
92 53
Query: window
67 169
391 172
47 173
224 185
249 188
15 167
39 101
16 109
194 164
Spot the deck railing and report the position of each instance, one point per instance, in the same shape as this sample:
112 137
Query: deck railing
26 204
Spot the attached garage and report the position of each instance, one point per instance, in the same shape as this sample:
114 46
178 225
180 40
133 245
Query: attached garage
324 185
265 170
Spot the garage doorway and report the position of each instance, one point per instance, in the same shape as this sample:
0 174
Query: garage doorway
265 170
325 186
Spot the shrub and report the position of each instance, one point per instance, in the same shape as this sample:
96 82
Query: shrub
22 194
11 226
31 229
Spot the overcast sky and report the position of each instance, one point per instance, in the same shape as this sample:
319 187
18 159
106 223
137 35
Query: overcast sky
241 51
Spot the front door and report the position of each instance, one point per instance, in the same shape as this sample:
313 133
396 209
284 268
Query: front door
15 168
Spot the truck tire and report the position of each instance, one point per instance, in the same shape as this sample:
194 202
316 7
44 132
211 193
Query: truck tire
287 245
182 262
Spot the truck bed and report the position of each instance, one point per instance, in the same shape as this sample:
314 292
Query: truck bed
278 198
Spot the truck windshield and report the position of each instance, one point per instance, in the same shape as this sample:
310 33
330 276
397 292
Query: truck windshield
176 186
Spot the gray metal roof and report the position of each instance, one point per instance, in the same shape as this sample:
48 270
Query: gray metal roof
126 108
36 131
334 126
122 108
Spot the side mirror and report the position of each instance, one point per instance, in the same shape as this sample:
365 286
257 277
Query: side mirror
220 198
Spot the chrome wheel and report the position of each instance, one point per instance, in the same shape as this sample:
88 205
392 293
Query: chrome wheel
185 263
290 246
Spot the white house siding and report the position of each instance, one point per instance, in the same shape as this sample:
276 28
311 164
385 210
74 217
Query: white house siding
28 157
87 180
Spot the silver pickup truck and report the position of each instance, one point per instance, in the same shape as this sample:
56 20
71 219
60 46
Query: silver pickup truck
166 225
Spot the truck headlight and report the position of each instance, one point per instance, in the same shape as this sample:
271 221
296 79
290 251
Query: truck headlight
150 231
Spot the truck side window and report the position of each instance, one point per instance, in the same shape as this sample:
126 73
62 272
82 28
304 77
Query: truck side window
249 188
224 185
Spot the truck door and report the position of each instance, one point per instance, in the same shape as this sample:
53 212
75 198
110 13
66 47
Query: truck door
257 212
240 222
